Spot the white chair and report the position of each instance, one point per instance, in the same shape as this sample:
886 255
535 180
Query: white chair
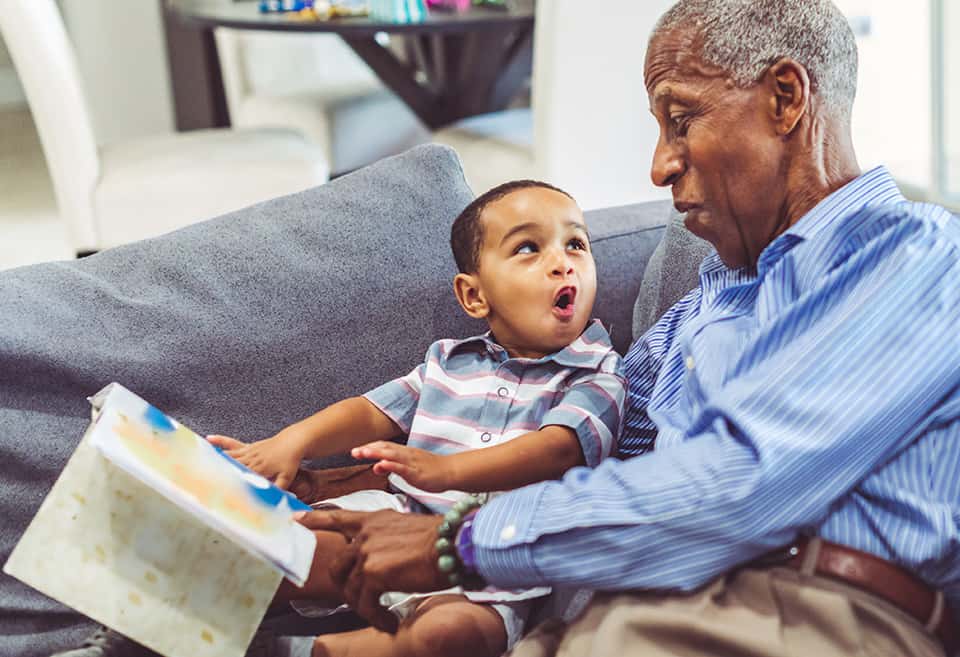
316 84
589 129
143 187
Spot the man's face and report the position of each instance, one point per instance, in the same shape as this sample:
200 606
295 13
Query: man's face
718 150
536 271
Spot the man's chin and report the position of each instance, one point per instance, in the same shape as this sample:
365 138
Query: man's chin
697 222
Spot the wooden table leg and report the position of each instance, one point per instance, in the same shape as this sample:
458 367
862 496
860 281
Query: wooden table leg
399 77
453 76
198 96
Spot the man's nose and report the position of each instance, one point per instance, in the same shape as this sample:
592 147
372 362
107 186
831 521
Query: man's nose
668 164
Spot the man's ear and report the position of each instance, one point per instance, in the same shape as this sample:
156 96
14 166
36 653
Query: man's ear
789 85
470 295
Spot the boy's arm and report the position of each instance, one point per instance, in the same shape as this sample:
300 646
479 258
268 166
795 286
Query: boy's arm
338 428
581 429
383 413
527 459
334 430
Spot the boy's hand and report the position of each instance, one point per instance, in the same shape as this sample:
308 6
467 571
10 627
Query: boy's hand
277 458
425 470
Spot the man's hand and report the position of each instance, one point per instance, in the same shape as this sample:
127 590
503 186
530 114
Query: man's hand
315 485
277 458
387 551
425 470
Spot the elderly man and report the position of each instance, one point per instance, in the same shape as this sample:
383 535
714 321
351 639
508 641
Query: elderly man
804 492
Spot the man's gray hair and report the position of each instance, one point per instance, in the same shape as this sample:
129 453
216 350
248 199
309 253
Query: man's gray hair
745 37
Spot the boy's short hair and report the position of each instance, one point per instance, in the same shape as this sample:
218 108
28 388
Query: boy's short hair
466 235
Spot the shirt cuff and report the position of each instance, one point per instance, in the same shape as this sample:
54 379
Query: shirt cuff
503 539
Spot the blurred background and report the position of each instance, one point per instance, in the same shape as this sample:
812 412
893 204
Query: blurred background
576 115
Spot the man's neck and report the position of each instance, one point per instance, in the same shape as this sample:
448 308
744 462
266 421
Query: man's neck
826 162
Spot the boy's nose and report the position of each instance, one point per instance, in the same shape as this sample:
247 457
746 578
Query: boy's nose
562 266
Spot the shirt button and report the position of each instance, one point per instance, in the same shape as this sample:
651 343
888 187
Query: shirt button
690 363
503 392
485 437
508 532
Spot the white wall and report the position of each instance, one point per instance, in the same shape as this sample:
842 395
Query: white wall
892 113
122 58
951 76
594 131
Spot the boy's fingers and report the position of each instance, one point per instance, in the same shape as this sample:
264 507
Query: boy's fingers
375 450
283 481
387 467
347 523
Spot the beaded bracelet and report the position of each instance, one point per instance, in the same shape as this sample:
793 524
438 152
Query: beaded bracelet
449 563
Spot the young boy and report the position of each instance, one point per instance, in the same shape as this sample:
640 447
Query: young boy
538 394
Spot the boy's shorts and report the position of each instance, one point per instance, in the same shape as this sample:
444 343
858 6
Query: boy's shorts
512 606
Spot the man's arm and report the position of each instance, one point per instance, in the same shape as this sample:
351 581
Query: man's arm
826 393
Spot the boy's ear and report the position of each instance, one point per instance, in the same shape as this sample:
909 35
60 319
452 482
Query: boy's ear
470 296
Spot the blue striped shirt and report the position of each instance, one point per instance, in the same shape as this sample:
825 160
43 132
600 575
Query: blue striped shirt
469 394
817 394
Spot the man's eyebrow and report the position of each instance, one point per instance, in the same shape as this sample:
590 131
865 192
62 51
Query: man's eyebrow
661 94
669 92
517 229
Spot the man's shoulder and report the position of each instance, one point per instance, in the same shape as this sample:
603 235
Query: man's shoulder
888 228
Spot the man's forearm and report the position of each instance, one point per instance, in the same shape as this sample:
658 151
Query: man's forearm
314 485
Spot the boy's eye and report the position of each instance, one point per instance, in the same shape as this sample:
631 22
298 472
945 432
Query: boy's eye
526 247
577 243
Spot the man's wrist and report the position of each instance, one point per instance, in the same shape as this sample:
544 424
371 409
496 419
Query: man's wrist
463 543
451 540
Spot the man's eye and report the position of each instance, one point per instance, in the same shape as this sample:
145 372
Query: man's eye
526 247
577 243
679 123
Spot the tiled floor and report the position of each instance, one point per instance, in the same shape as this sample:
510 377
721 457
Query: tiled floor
30 229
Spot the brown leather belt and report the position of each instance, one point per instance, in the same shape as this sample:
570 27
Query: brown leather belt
879 577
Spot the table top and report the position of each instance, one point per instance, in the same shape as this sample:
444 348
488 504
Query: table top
245 14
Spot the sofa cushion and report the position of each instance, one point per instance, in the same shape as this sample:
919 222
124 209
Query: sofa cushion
238 325
673 270
245 323
623 241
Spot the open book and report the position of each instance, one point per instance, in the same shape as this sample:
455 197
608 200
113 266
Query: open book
202 480
156 533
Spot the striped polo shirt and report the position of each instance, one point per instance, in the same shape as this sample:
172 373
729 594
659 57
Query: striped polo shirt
469 394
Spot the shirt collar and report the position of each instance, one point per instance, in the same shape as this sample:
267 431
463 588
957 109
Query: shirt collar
588 350
875 187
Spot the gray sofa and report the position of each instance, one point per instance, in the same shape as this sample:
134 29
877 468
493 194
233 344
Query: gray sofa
247 322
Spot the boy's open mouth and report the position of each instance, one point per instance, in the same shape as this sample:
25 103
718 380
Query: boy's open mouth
563 302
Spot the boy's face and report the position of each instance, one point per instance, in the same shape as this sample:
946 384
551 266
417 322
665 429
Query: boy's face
536 279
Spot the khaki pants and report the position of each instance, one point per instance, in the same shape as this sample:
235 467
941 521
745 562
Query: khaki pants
755 612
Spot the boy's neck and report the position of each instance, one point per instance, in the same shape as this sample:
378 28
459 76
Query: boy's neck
513 352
